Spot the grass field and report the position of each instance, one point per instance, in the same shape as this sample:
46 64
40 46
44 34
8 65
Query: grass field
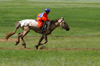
78 47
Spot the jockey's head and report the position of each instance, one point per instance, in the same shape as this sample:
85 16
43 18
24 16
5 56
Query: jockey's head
47 10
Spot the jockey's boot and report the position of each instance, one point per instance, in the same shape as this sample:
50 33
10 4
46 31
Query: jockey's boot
42 29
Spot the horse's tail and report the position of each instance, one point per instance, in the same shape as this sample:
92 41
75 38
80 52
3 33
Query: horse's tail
12 33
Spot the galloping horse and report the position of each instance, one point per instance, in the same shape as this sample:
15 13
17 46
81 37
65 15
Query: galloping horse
28 24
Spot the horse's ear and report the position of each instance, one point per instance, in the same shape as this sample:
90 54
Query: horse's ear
62 17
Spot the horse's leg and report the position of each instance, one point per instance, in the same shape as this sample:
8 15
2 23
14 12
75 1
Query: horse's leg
25 31
44 36
39 42
19 35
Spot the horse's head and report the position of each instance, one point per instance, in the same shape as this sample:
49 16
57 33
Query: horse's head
63 24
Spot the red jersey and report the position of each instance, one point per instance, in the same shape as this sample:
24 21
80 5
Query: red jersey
42 16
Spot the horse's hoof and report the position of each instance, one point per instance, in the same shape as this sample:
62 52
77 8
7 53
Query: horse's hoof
36 47
16 43
24 45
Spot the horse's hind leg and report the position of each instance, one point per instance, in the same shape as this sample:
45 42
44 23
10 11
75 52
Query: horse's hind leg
19 35
25 31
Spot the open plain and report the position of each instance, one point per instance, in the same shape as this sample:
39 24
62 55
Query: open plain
80 46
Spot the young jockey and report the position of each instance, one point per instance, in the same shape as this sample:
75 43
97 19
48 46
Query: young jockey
42 17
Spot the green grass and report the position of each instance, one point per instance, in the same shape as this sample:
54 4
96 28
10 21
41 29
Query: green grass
49 58
55 52
82 16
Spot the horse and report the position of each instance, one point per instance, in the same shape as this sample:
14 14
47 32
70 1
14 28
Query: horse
28 24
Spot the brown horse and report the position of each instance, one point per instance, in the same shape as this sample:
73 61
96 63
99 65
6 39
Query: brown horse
28 24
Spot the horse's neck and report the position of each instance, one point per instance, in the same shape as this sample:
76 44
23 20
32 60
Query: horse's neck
53 25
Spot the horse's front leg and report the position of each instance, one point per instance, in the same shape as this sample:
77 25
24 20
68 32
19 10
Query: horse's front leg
39 42
45 36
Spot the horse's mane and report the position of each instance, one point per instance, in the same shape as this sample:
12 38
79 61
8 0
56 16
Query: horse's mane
53 21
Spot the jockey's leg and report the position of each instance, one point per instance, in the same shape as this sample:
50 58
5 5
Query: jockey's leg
40 25
48 25
42 29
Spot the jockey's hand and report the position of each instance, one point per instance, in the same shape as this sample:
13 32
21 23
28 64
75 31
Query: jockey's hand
42 20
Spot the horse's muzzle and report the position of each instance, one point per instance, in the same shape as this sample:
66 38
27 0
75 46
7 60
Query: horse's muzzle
67 29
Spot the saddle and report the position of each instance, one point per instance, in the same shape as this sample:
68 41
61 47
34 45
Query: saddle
46 25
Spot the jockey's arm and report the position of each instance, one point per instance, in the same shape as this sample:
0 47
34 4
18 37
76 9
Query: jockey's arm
45 17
